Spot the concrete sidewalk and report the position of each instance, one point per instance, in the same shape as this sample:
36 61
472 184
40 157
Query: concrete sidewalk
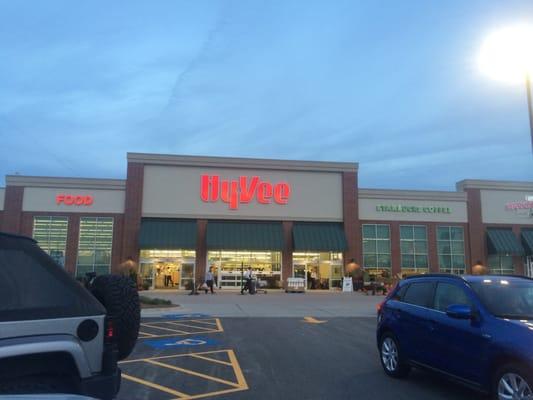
274 304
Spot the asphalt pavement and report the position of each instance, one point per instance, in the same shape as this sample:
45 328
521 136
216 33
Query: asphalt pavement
200 356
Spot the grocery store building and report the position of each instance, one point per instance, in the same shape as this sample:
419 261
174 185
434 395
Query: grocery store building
173 217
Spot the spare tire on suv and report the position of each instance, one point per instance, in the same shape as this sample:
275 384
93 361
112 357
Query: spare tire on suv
119 296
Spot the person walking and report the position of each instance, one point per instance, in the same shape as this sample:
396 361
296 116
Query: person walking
248 276
209 280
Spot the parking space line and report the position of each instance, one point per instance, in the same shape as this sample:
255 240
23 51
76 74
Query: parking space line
211 394
173 356
219 325
164 329
194 373
190 326
146 334
237 369
211 359
206 321
156 386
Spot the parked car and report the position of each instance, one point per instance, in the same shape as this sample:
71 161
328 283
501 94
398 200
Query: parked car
477 330
55 335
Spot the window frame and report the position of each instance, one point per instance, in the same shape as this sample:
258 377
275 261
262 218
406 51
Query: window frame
376 253
46 245
95 248
412 239
451 254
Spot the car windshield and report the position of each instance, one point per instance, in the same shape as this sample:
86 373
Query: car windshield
506 298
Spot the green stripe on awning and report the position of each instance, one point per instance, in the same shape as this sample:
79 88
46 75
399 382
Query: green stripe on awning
167 234
503 242
319 237
527 240
223 235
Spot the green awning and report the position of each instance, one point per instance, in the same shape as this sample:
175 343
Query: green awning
319 237
167 234
226 235
503 242
527 240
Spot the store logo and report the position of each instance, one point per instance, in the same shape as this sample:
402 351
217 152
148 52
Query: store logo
413 209
74 200
242 191
522 207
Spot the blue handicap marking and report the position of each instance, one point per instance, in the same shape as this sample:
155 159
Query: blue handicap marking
185 316
169 343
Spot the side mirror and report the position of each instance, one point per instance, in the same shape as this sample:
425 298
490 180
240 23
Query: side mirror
459 311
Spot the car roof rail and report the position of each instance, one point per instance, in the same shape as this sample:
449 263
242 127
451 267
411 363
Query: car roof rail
510 276
14 235
435 275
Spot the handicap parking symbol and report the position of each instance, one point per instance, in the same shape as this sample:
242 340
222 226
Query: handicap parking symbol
185 316
168 343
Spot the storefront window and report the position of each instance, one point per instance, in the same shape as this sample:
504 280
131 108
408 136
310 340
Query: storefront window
167 269
451 249
96 242
501 265
229 266
320 270
414 249
51 235
376 249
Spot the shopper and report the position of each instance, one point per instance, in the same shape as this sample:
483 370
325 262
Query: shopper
209 281
248 276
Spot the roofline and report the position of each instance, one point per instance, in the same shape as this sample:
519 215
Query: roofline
431 195
65 182
233 162
494 185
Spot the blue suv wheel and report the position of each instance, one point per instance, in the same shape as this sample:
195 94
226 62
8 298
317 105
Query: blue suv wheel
391 357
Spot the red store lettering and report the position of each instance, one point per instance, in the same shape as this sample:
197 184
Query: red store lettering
242 191
74 200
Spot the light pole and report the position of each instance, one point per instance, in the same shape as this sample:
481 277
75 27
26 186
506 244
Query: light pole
504 56
529 106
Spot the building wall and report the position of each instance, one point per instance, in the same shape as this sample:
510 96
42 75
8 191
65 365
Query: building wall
175 192
507 207
53 200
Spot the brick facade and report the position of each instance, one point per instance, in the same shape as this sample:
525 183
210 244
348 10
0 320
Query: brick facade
133 212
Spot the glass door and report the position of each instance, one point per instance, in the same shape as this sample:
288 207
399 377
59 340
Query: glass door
529 266
187 276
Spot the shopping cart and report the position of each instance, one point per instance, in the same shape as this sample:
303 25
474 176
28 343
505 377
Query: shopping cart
261 286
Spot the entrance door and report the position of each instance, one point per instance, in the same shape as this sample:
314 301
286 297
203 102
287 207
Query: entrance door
529 266
187 276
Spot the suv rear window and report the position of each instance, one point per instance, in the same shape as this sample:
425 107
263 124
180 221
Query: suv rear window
33 286
420 294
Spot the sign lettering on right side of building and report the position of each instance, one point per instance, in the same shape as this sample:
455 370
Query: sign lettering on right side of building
413 209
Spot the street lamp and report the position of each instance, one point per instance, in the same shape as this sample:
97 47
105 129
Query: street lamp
507 55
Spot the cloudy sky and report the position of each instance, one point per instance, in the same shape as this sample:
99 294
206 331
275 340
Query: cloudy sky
391 84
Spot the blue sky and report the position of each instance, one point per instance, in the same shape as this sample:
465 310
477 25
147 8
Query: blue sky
392 85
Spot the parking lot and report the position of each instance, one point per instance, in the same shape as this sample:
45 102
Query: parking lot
184 356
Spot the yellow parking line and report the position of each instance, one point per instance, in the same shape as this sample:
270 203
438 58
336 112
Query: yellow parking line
156 386
203 321
172 356
237 369
194 373
146 334
164 329
210 394
211 359
188 326
219 325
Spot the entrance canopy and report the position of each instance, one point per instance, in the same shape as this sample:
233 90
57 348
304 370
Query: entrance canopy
527 240
503 242
167 234
226 235
319 237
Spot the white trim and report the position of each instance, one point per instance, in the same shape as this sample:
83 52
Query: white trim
65 182
243 163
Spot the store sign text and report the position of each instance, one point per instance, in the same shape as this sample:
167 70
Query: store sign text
413 209
243 190
519 205
74 200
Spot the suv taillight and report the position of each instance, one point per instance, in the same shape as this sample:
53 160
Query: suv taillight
109 330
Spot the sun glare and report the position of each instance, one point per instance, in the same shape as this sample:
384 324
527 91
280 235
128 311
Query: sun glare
507 54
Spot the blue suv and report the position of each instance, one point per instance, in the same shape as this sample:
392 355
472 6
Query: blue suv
477 330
